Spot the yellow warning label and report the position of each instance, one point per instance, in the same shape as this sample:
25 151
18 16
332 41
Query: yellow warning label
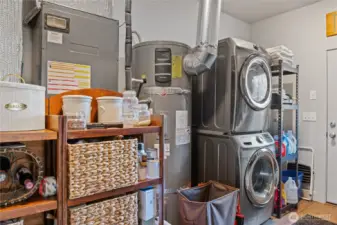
177 66
331 24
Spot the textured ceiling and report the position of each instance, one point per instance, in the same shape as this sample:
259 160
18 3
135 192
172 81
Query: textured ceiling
252 11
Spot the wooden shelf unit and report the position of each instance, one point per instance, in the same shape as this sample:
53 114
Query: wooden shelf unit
155 127
34 205
57 137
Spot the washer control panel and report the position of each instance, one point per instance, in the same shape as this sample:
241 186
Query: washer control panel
255 140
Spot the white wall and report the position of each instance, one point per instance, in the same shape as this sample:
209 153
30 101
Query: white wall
303 31
174 20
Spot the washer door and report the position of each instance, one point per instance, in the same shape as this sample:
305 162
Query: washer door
261 178
256 82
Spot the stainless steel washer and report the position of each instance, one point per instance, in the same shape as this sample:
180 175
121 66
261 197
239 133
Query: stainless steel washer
235 96
245 161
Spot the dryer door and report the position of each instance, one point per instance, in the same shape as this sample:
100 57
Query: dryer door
261 177
256 82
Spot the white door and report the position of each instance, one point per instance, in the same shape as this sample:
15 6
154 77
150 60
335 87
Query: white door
332 128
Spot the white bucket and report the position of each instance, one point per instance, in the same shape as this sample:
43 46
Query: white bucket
75 104
110 109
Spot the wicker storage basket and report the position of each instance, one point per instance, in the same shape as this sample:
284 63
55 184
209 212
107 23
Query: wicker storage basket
117 211
102 166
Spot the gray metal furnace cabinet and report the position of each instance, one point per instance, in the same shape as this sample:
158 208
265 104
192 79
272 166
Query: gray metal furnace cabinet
66 35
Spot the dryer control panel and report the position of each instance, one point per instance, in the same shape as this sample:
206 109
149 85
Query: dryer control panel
254 140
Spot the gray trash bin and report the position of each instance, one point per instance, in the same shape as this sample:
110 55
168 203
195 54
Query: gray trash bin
210 204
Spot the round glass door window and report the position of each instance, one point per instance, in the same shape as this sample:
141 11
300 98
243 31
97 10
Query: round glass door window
261 177
256 83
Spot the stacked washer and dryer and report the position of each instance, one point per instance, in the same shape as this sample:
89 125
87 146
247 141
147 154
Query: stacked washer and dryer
230 115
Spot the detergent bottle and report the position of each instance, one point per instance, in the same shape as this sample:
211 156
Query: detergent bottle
291 191
277 143
285 141
293 141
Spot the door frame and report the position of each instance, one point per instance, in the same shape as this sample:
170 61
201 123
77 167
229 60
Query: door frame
327 125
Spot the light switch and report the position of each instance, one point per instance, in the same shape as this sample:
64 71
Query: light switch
313 116
306 116
309 116
313 95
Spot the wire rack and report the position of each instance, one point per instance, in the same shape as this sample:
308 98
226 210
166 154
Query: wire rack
11 192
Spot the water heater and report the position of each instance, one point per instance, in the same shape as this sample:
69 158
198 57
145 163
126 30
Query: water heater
169 89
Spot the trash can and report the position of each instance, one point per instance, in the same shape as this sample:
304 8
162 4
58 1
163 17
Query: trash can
210 204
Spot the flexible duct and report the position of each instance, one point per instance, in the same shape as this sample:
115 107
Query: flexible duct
204 54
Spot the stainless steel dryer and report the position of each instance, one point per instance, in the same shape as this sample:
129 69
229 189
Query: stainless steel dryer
235 97
245 161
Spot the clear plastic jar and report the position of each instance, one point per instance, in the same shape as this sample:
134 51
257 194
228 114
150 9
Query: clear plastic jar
144 118
130 112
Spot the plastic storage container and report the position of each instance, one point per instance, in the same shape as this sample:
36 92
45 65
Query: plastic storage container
144 118
292 174
211 204
153 169
22 107
130 112
110 109
77 104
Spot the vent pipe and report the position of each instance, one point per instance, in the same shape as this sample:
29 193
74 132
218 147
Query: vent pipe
128 45
204 54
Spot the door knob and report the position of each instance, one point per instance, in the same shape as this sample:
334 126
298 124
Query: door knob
332 135
333 124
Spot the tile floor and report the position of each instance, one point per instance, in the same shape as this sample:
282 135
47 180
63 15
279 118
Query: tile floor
324 211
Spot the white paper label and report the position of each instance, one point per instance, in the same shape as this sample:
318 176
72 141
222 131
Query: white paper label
55 37
183 131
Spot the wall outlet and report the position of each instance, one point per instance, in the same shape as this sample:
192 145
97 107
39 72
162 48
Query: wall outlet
313 95
309 116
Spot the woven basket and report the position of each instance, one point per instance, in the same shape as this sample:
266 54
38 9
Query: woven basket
102 166
117 211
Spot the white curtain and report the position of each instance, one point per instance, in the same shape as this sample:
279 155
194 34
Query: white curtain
10 37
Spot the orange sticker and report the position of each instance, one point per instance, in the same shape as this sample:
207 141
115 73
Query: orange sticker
331 24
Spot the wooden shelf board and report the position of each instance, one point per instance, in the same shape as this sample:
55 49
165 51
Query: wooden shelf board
113 193
94 133
18 136
33 206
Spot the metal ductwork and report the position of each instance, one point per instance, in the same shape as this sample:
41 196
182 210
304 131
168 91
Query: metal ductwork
204 54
